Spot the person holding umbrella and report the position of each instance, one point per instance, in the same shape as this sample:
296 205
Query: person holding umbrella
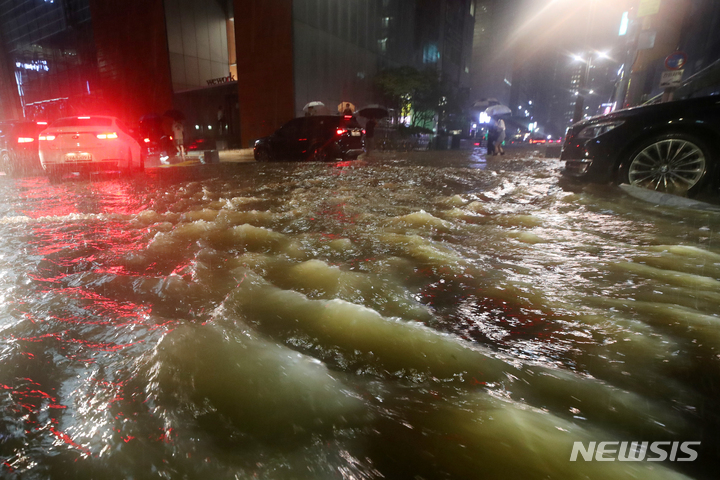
496 130
500 132
370 135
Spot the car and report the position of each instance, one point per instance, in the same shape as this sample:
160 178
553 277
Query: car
317 138
19 147
671 147
89 143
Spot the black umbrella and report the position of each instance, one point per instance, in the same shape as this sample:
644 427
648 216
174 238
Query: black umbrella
175 115
373 111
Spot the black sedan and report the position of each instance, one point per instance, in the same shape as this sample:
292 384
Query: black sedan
19 147
669 147
316 138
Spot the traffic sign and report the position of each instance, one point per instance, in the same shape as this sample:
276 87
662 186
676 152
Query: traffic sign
671 79
676 60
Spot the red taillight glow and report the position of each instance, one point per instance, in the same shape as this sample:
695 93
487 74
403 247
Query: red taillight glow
363 131
340 131
107 136
47 137
477 144
146 140
25 140
347 117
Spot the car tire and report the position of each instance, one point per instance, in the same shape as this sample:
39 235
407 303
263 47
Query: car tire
318 154
6 165
262 155
679 164
130 169
53 174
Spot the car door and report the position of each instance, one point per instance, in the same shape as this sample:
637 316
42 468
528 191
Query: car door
285 143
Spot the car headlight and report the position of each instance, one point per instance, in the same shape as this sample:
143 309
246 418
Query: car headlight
593 131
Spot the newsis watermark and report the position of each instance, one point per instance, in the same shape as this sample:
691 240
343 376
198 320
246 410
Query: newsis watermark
635 451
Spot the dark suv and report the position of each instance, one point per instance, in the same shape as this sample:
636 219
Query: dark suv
19 147
317 138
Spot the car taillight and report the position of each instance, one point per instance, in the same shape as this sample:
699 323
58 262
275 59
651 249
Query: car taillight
25 139
47 137
363 131
107 136
340 131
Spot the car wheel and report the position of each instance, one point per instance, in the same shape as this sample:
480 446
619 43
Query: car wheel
6 165
318 154
675 163
262 155
130 167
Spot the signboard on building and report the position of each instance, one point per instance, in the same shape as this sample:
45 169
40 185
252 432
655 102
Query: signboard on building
648 7
671 79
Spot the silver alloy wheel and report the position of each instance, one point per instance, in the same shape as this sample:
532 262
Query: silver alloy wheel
670 165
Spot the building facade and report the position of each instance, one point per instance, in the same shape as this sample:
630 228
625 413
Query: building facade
234 77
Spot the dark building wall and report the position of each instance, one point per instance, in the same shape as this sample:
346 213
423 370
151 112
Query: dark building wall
132 56
264 39
10 107
197 42
492 58
50 50
341 46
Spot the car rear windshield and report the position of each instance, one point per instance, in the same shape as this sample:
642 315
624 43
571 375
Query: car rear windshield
83 122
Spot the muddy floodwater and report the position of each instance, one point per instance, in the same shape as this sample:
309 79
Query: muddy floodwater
411 316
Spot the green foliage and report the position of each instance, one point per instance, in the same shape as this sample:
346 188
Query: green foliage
423 93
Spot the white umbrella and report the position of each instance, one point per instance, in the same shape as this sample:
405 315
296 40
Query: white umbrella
485 102
344 106
493 110
313 105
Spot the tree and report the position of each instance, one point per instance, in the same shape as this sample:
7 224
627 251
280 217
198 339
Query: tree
409 90
424 95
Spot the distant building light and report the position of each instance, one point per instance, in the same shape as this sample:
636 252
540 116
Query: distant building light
529 102
624 24
35 65
209 127
197 127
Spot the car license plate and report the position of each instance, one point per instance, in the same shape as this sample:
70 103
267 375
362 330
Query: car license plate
355 133
78 157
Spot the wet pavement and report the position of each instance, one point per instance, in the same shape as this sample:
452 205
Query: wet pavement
419 315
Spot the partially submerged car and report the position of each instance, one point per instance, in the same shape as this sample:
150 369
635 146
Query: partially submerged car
89 143
314 138
19 147
671 147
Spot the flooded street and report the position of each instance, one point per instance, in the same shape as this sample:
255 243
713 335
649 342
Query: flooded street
419 315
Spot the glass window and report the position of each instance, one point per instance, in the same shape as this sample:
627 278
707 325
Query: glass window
83 122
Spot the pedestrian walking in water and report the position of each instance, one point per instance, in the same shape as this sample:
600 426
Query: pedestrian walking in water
370 135
500 128
492 134
179 136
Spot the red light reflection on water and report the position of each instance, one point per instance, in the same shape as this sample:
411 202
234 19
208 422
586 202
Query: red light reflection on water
109 196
